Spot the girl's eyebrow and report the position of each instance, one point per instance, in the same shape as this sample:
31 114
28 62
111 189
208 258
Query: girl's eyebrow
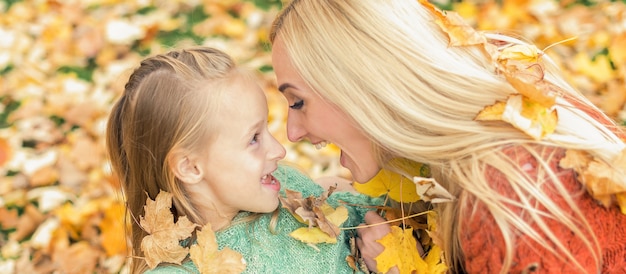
285 86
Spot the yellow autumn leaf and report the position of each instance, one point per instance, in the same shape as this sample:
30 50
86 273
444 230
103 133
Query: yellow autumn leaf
327 228
492 112
312 235
331 218
209 259
401 251
522 53
459 31
434 261
528 116
621 201
162 243
113 239
5 151
598 69
538 91
398 187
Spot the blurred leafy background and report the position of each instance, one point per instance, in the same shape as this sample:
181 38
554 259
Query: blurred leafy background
64 62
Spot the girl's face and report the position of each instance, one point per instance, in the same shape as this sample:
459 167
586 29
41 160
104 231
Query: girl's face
242 155
312 117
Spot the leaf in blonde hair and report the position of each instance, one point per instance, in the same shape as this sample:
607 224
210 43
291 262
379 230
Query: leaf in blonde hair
531 117
431 191
210 260
621 201
459 32
400 251
162 245
604 181
523 53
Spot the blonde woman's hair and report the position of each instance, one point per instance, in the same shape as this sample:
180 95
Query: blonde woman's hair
389 66
169 105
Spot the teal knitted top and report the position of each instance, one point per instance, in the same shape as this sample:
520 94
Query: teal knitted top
265 252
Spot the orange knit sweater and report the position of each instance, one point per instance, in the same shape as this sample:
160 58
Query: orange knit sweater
483 244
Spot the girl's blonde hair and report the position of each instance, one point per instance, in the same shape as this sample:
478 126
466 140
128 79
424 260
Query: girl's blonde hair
169 105
389 66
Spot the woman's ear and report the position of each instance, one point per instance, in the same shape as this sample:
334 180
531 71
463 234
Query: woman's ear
186 168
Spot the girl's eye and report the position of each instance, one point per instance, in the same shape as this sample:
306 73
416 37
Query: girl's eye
255 139
297 105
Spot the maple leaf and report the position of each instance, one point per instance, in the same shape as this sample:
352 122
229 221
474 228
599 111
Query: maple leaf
398 187
532 118
323 220
210 260
162 244
434 260
401 251
606 182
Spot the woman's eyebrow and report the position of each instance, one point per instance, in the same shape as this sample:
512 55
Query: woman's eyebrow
285 86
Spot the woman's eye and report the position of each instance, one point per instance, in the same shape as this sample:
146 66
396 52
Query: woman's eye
255 139
297 105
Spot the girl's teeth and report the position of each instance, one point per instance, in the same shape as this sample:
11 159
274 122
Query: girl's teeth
321 145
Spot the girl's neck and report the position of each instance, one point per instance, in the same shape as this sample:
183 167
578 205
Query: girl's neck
218 220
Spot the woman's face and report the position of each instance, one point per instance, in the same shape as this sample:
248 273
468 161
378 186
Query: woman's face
314 118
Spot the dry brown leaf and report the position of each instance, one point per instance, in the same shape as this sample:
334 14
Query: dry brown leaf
605 182
79 258
8 218
210 260
458 30
28 223
323 220
163 242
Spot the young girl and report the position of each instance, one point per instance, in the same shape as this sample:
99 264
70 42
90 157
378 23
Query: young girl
193 124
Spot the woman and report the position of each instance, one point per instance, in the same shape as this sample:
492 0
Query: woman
487 113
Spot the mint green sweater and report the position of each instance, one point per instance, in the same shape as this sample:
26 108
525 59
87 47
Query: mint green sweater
265 252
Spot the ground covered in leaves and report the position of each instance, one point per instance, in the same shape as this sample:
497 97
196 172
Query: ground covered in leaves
63 63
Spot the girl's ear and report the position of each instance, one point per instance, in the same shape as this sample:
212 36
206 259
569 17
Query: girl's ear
186 168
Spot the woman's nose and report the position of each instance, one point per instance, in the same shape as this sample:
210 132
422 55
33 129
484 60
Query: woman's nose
295 131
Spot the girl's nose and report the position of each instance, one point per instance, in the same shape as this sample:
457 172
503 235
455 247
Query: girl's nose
278 151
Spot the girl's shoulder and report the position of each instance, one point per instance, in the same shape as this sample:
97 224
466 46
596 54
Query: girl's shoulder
187 267
293 178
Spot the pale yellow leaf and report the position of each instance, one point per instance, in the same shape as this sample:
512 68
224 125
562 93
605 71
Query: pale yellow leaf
210 260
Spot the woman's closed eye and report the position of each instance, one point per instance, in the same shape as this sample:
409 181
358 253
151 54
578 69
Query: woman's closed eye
297 105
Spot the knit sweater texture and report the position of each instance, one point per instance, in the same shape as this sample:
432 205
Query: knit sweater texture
265 252
483 244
